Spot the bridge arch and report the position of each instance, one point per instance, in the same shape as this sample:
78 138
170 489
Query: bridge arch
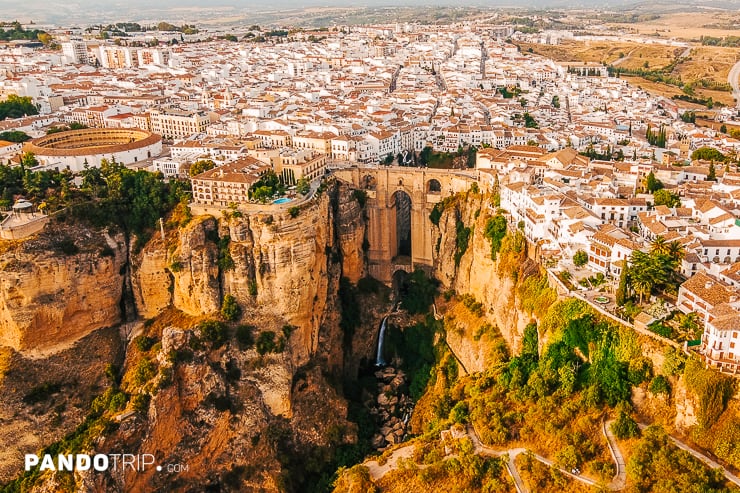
401 206
399 233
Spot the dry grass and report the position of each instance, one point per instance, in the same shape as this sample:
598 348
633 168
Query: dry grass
708 62
608 52
667 91
715 125
688 26
705 62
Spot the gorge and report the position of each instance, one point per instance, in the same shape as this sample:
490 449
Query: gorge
271 395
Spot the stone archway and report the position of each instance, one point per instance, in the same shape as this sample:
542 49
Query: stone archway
401 204
434 186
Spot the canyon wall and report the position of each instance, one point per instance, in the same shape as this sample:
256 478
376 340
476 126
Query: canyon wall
49 298
476 274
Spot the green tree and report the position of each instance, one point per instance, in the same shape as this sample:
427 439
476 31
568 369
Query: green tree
624 426
659 245
14 136
666 197
303 186
657 465
712 174
652 183
17 106
213 331
201 166
495 231
707 154
28 160
230 309
621 294
580 258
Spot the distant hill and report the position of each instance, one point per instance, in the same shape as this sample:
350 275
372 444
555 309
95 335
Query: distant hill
86 11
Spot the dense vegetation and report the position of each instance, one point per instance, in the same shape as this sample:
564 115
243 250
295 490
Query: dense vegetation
17 107
653 272
15 31
14 136
268 186
495 231
111 195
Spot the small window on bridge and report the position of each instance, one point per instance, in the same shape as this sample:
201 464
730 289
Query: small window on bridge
369 182
434 186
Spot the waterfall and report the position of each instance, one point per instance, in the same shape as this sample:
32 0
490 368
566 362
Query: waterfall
379 361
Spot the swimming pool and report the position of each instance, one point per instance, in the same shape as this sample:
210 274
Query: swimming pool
282 200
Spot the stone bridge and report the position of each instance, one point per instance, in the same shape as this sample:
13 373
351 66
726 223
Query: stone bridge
398 206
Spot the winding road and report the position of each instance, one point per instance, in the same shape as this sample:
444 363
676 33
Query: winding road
734 79
618 482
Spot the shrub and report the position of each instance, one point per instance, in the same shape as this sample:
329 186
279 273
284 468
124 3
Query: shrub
294 211
436 213
180 356
225 261
230 309
475 306
580 258
140 402
624 426
266 343
176 266
117 402
252 288
213 331
660 385
288 329
462 237
144 371
495 231
244 336
144 343
460 413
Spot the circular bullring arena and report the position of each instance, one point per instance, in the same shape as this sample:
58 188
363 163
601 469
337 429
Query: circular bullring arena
74 149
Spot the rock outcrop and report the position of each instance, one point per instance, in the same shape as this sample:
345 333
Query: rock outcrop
55 290
476 274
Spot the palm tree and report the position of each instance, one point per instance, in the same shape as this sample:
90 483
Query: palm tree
642 287
659 245
676 250
690 325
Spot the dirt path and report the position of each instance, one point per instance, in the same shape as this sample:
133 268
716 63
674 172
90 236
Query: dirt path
620 478
521 487
377 471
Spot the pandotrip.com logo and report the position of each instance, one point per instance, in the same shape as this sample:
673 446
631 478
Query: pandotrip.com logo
99 462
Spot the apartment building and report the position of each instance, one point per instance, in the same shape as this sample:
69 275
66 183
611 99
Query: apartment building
229 183
178 124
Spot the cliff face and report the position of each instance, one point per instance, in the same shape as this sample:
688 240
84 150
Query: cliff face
230 411
49 298
477 275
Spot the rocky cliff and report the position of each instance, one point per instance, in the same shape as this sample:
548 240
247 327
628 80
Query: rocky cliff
478 275
59 287
282 269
